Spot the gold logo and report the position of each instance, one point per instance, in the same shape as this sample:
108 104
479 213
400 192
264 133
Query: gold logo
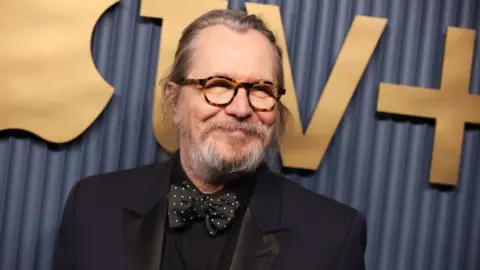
48 82
451 106
49 85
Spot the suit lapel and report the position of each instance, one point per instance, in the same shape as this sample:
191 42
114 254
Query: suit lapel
263 234
256 250
143 238
144 219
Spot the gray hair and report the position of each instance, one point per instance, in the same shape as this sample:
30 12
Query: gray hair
238 21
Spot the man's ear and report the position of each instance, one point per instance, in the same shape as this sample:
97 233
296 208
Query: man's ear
172 98
172 95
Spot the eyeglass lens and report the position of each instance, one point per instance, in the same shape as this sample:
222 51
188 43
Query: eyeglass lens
221 91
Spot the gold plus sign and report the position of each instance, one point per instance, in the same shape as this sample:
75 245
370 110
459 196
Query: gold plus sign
451 106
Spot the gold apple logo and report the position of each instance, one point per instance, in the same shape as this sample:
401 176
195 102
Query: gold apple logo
48 82
50 86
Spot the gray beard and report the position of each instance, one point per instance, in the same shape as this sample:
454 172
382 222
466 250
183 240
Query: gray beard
204 162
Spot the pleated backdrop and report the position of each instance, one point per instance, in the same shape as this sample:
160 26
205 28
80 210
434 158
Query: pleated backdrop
377 164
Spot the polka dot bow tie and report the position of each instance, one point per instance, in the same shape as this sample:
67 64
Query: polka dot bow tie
186 204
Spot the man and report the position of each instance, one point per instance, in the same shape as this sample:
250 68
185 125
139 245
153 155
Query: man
215 204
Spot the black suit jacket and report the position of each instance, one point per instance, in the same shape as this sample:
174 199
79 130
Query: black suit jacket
116 221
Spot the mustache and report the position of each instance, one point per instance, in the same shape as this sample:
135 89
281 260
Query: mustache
248 128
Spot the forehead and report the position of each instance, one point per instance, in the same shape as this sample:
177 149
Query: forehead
246 55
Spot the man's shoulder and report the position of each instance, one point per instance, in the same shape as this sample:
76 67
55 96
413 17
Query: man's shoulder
318 206
122 176
319 223
121 184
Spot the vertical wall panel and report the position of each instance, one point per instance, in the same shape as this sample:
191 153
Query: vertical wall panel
376 163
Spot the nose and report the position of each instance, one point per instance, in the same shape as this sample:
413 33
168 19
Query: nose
240 107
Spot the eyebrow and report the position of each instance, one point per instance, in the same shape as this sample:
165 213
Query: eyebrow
249 79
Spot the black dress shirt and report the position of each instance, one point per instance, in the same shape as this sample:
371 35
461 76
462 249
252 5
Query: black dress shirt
191 247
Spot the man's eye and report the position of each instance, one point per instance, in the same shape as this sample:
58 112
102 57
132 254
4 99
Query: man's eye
220 83
267 89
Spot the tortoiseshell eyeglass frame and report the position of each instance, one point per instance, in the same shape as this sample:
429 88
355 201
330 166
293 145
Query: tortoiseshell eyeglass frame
246 85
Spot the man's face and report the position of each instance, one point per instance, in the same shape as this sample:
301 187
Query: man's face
246 57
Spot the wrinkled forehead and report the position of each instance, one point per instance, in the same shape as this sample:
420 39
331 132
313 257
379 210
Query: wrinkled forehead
246 55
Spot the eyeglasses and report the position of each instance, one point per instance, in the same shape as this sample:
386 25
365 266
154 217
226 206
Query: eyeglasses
221 90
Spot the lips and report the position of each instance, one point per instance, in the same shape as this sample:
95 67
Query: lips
237 132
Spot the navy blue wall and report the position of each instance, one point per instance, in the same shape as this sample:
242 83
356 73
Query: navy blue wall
378 164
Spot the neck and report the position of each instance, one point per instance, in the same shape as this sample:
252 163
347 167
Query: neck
202 182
